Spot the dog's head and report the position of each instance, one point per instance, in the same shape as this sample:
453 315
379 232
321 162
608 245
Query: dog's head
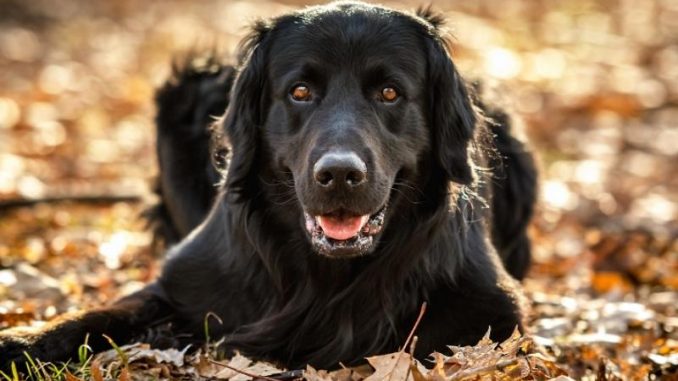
337 112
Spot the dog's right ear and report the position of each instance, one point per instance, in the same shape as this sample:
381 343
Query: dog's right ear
246 112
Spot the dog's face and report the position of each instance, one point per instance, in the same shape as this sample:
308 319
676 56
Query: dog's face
344 114
347 115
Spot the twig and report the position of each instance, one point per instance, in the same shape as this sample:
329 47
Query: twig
409 337
254 376
422 311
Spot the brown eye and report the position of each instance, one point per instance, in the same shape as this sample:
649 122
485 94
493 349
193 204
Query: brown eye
301 93
389 94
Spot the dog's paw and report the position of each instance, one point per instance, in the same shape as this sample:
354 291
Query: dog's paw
15 348
22 346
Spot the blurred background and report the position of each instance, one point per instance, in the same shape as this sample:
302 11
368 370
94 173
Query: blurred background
594 84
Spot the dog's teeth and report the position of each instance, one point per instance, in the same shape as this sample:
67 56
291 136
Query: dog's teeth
364 220
309 225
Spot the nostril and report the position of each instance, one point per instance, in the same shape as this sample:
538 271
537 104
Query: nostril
355 178
324 178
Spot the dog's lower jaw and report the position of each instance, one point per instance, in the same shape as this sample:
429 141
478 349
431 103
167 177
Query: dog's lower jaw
350 248
361 244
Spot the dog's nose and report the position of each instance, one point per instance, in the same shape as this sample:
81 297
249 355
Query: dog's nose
340 169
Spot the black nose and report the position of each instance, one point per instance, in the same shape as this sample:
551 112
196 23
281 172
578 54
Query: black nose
340 169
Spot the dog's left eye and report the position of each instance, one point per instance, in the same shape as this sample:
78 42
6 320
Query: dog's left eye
301 93
389 94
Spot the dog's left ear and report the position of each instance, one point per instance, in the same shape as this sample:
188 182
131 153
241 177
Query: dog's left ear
452 115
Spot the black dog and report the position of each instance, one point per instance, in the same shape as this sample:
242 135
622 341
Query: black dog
355 192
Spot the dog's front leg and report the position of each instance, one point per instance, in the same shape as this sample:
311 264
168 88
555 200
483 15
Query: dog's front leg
60 339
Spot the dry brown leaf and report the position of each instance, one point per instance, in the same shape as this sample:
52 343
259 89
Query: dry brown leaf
508 361
96 371
346 374
542 366
391 367
259 368
237 362
70 377
357 373
468 357
417 375
515 343
310 374
519 370
605 282
124 374
204 367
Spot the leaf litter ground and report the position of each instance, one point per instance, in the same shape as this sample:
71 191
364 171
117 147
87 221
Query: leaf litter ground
594 82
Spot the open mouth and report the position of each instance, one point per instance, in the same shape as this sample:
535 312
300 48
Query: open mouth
341 234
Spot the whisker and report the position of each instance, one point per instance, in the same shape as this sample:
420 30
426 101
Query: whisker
404 194
410 186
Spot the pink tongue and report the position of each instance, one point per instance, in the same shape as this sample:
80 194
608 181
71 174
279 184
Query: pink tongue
342 228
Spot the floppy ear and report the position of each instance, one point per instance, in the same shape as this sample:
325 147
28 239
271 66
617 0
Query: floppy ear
453 116
245 113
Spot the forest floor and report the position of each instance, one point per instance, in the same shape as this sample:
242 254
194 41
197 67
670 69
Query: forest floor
595 84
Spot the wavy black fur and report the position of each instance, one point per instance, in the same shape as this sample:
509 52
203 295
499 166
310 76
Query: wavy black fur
247 258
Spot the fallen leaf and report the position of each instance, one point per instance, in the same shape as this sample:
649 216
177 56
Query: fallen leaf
238 362
96 371
310 374
391 367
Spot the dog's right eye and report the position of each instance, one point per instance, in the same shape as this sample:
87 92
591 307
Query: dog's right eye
301 93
